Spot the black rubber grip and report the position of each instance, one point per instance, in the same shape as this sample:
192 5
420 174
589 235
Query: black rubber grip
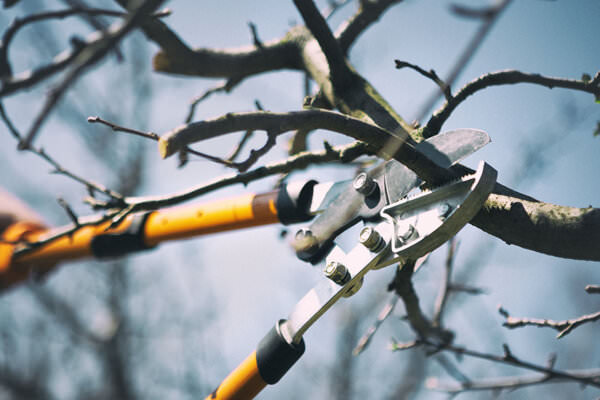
275 356
110 245
294 206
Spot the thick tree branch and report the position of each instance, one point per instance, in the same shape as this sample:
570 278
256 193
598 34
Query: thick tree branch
339 73
278 123
560 231
176 58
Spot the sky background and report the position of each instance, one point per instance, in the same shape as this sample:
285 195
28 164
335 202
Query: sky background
542 145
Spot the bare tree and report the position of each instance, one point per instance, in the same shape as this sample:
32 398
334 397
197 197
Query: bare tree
340 99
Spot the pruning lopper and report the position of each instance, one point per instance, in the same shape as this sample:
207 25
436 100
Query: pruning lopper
399 231
397 228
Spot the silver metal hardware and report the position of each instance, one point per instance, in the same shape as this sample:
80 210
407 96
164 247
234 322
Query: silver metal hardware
364 184
371 239
337 272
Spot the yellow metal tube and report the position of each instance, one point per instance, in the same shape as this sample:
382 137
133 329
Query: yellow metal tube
218 216
243 383
168 224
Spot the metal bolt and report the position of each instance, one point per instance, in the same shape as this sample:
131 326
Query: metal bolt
364 184
303 234
371 239
444 210
305 243
305 238
337 272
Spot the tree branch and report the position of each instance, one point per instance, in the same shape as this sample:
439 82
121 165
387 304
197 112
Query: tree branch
93 50
488 16
176 57
506 358
368 13
431 74
507 77
339 73
561 231
278 123
592 289
403 287
59 169
442 298
563 327
509 383
155 137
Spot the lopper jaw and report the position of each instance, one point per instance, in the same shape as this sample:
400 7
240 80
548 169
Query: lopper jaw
340 205
408 229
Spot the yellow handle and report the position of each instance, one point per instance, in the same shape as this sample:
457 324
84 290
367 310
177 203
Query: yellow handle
243 383
168 224
223 215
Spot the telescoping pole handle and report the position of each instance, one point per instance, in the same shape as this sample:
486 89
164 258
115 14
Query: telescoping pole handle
267 365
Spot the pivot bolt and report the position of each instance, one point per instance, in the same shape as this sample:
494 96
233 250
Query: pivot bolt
337 272
364 184
371 239
305 240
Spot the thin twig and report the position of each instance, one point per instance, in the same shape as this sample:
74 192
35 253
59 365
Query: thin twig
72 216
507 77
431 74
444 293
463 288
225 86
255 39
368 13
505 383
18 23
343 154
93 50
59 169
592 289
489 19
278 123
155 137
247 135
506 358
385 312
30 78
563 327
